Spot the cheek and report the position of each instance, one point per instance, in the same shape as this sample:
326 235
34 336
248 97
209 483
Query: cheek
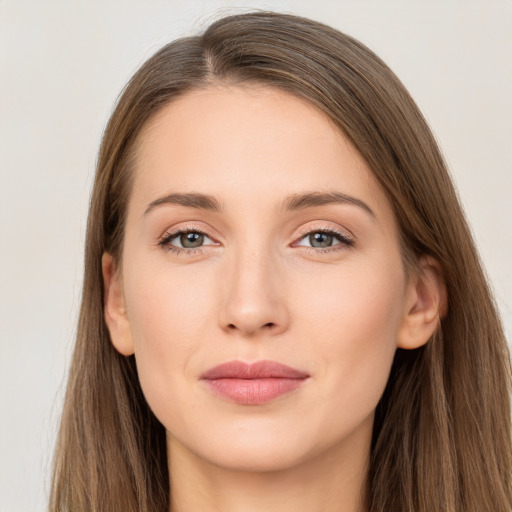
164 305
354 323
343 321
169 315
363 301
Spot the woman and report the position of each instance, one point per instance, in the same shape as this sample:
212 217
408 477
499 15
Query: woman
283 307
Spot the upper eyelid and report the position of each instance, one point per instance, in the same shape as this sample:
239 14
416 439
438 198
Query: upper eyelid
331 229
171 232
301 231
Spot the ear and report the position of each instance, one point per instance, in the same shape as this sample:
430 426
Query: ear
115 311
425 305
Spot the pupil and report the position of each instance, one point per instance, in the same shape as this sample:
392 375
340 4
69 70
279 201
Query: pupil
320 240
191 240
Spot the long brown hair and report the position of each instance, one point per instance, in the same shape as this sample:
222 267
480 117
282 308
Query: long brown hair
442 438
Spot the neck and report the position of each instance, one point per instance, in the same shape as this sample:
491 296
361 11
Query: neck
331 482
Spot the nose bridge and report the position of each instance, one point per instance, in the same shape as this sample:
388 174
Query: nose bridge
253 299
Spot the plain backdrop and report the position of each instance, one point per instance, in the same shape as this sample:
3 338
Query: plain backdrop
62 66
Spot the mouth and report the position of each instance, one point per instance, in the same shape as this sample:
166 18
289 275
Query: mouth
252 384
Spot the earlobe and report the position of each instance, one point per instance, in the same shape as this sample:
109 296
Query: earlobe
115 312
426 304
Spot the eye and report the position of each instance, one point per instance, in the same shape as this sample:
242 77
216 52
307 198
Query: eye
185 240
324 239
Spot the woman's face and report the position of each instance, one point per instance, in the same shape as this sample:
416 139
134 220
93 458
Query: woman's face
257 234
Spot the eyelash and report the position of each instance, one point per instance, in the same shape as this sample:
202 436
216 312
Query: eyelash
165 241
345 241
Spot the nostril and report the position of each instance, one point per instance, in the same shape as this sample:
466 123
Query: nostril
268 325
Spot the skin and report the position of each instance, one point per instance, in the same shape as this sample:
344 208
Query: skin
257 290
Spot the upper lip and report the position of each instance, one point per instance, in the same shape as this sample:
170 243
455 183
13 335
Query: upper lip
257 370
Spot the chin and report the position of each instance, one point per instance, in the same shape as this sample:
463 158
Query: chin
256 457
246 450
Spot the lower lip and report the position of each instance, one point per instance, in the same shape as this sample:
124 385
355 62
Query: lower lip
253 391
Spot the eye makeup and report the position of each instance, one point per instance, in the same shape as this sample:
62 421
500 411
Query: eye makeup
326 238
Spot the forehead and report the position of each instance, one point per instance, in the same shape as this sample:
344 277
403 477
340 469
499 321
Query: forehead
247 144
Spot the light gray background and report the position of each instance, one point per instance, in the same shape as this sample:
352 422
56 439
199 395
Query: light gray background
62 66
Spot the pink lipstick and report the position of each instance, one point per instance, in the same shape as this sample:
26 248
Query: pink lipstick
252 384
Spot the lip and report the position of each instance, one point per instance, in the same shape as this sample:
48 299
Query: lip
253 384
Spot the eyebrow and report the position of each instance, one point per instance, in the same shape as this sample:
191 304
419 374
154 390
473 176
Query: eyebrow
311 199
191 200
291 203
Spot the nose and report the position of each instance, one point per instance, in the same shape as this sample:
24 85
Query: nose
254 296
